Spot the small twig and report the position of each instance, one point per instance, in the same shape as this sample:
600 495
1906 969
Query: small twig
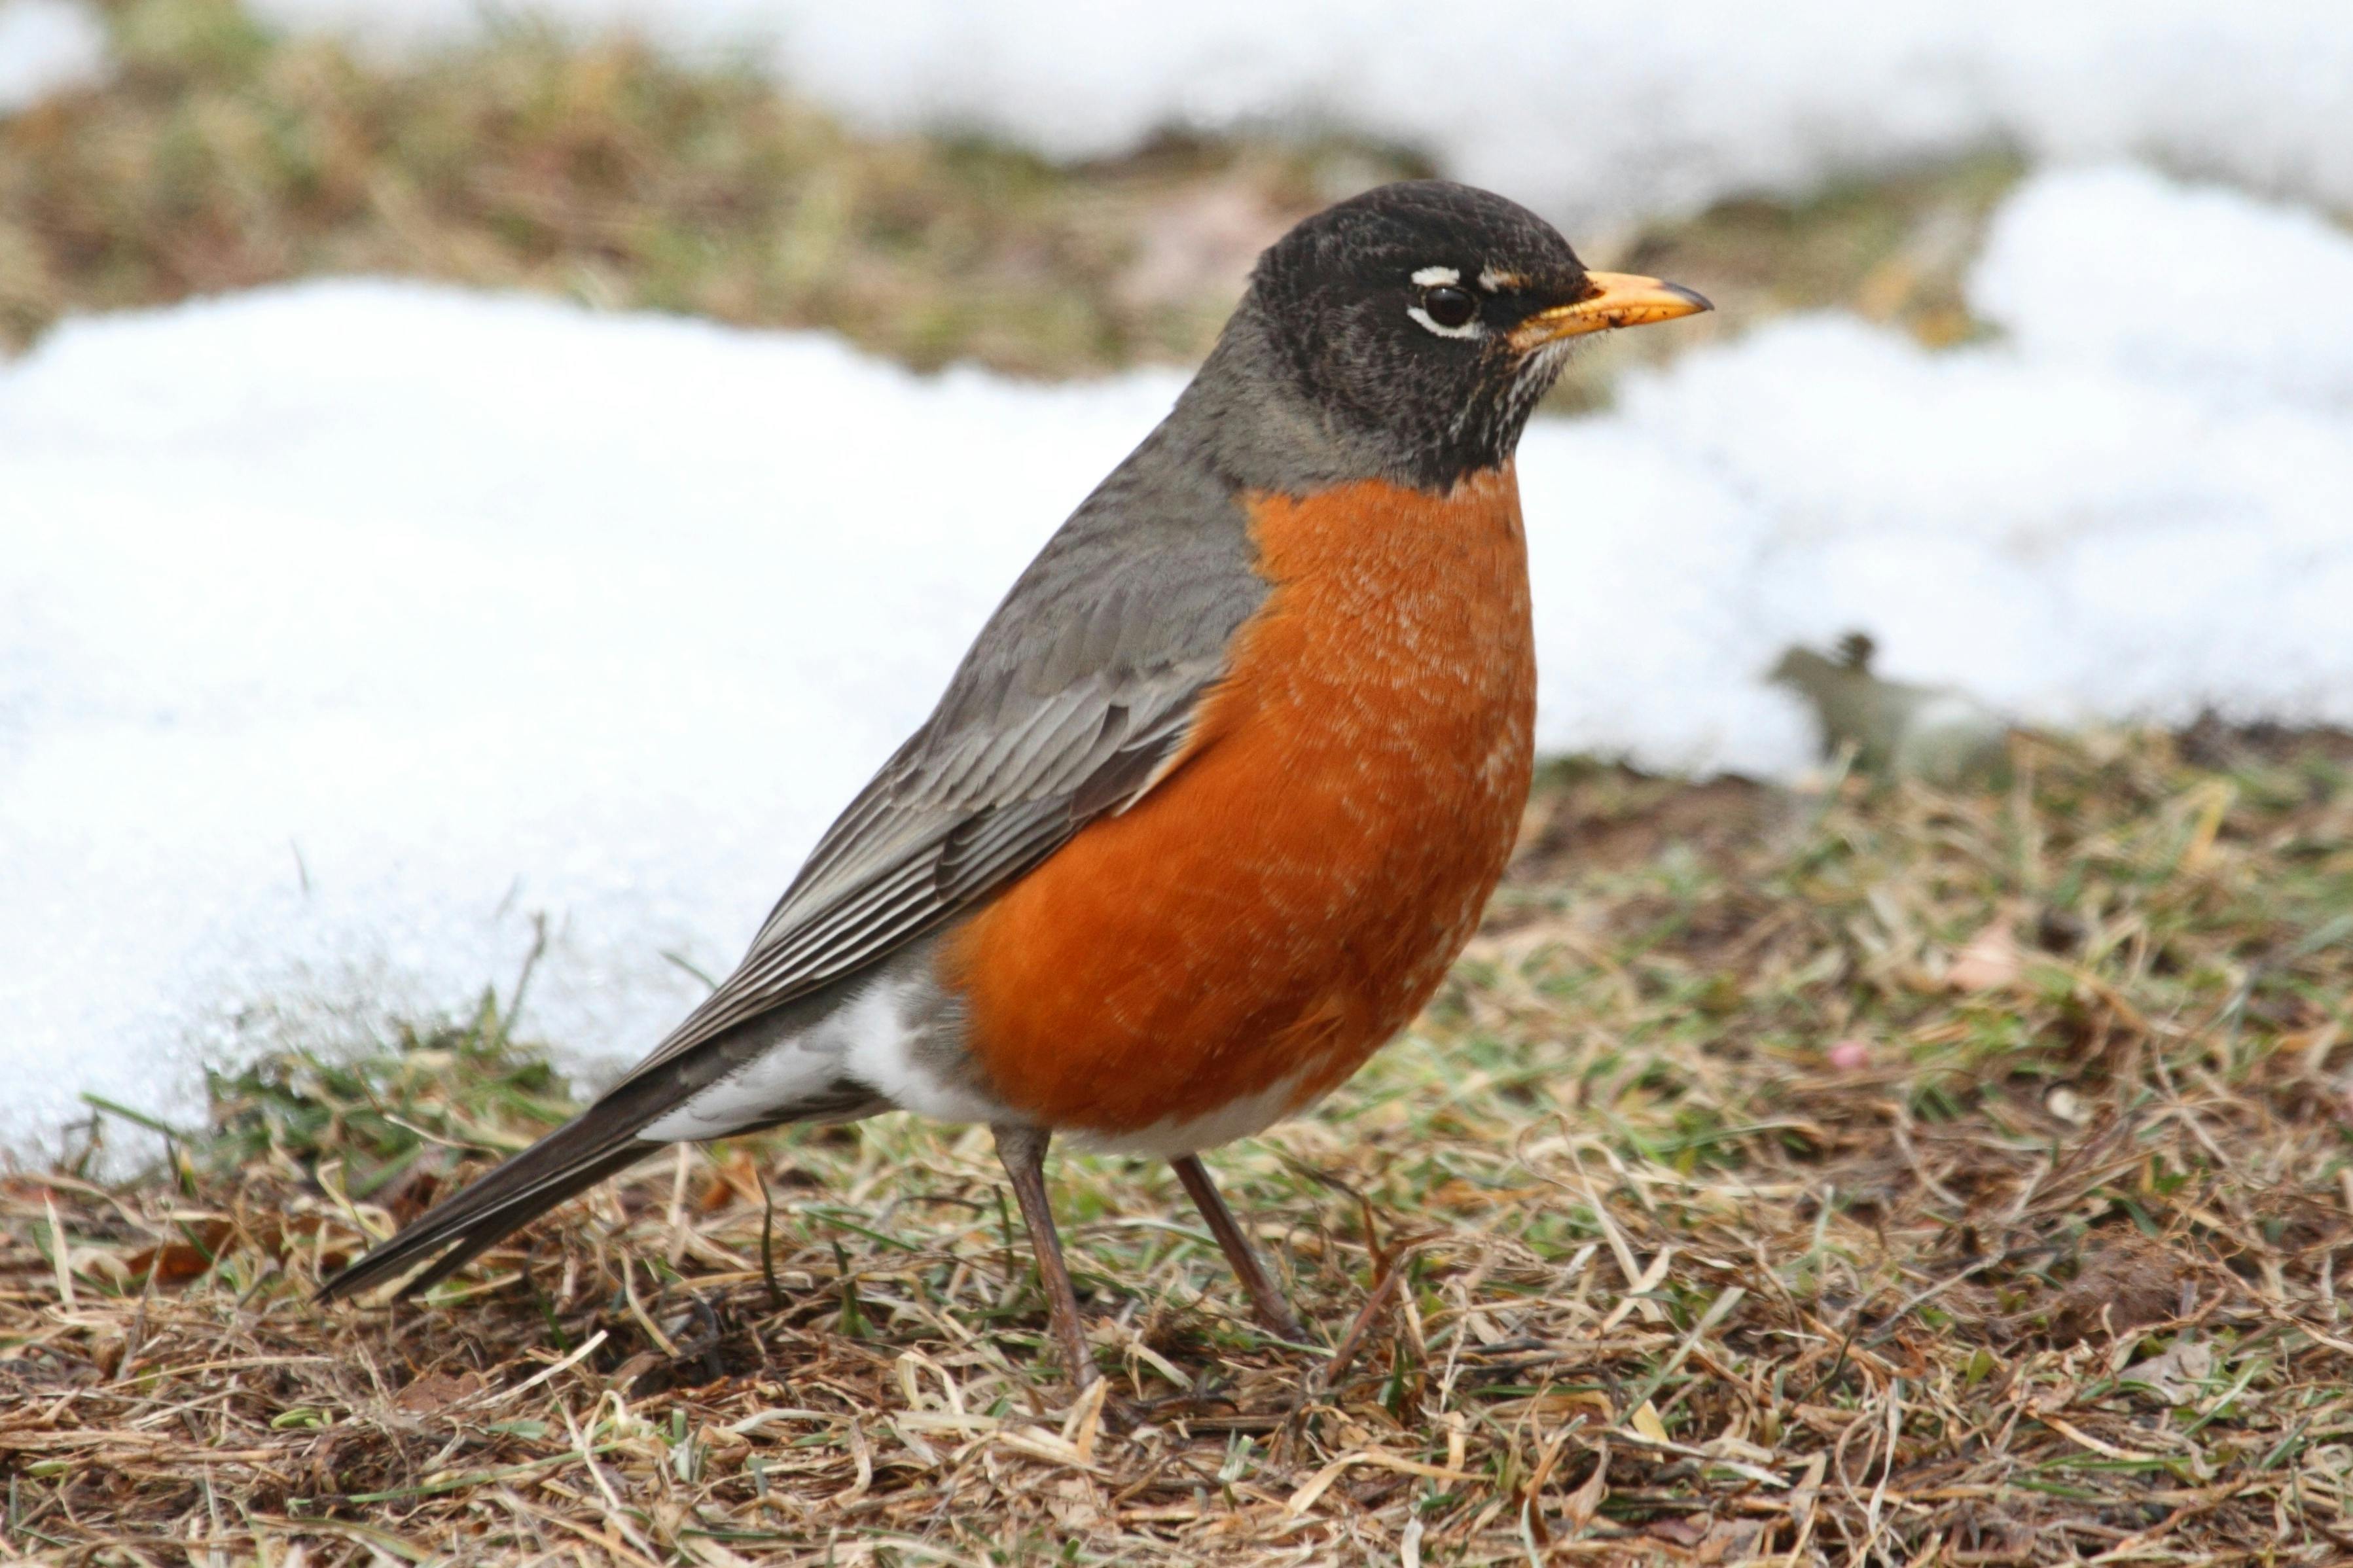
587 1348
523 979
1896 1319
676 1215
58 1260
1353 1341
768 1242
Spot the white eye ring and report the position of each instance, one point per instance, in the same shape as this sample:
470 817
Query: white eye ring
1474 327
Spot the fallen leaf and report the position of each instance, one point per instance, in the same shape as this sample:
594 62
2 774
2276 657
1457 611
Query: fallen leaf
2176 1377
1802 1497
1586 1499
175 1261
1646 1421
736 1177
437 1390
171 1265
1989 961
1730 1541
1681 1531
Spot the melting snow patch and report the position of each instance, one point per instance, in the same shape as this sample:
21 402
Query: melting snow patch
345 627
45 46
1588 112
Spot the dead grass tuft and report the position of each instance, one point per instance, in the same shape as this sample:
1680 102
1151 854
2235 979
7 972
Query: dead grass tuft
1718 1213
225 156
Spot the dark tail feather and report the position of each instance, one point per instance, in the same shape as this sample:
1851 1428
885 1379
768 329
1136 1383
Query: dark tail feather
574 1157
585 1150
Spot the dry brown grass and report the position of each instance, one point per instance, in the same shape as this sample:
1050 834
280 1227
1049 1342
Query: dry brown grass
224 157
1868 1176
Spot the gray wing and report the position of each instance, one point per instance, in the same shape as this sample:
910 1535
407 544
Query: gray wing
1083 687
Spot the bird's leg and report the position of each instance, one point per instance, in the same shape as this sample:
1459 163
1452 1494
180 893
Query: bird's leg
1274 1313
1023 1152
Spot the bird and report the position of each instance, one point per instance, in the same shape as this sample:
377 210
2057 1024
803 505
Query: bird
1938 734
1217 795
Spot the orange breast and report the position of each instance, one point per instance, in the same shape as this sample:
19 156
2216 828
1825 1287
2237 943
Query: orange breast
1289 896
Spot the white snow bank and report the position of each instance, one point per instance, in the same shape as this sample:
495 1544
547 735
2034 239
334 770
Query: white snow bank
2136 502
343 627
2196 286
45 46
1591 110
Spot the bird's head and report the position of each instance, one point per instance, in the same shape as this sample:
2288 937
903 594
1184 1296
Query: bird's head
1428 317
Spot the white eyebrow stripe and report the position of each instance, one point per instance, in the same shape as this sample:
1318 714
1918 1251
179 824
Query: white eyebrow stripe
1436 277
1495 282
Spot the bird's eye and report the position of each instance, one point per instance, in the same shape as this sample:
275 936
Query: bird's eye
1449 307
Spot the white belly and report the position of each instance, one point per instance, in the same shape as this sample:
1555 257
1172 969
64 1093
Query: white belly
873 1038
1166 1138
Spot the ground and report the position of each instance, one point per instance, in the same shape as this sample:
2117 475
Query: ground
1852 1173
1860 1173
224 158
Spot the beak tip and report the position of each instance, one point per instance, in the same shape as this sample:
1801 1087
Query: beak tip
1693 296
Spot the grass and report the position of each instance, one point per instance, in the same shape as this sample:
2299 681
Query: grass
1866 1175
222 156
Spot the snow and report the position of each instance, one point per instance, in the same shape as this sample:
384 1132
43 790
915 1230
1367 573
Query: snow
1591 111
46 47
349 624
345 627
2196 286
2137 502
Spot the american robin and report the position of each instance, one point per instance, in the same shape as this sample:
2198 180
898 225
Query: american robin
1215 796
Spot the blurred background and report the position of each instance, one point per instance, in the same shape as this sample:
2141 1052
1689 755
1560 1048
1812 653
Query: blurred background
440 443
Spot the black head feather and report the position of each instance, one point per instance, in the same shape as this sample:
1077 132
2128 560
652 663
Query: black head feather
1363 305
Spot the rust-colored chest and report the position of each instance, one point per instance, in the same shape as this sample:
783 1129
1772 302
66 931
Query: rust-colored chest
1291 893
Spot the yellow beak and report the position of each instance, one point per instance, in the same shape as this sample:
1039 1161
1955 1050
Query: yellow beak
1617 299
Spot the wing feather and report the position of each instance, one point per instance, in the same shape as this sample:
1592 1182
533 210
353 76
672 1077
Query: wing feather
1079 697
1003 774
